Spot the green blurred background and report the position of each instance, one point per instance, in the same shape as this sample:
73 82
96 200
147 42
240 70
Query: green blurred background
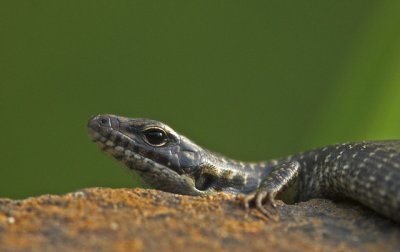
250 79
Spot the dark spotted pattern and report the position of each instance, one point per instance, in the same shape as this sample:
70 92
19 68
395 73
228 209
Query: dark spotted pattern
368 172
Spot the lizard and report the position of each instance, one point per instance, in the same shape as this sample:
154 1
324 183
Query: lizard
367 172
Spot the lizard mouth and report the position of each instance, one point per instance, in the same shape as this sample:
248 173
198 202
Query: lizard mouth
104 131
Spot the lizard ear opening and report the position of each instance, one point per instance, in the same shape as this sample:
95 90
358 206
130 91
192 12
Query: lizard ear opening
205 181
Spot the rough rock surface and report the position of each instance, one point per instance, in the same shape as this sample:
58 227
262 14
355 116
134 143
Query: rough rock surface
101 219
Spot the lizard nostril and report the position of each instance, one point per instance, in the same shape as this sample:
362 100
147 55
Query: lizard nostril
103 121
99 121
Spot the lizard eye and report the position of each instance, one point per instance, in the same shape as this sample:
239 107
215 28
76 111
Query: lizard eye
155 136
205 182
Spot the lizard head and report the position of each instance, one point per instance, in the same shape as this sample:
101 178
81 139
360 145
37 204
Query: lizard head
162 158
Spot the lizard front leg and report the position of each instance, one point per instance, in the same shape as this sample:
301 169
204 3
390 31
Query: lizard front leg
280 178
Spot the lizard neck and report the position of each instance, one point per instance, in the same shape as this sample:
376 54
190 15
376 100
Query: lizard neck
231 175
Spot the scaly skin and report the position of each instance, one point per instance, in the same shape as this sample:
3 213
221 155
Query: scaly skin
368 172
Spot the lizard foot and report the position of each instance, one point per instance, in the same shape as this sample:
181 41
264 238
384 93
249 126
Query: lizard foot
260 198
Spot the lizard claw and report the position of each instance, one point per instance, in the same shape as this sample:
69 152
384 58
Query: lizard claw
259 198
271 199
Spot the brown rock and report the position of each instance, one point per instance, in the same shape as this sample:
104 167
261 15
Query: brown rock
147 220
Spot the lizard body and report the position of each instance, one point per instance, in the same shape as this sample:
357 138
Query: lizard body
367 172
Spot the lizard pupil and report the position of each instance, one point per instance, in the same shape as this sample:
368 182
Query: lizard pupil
155 137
